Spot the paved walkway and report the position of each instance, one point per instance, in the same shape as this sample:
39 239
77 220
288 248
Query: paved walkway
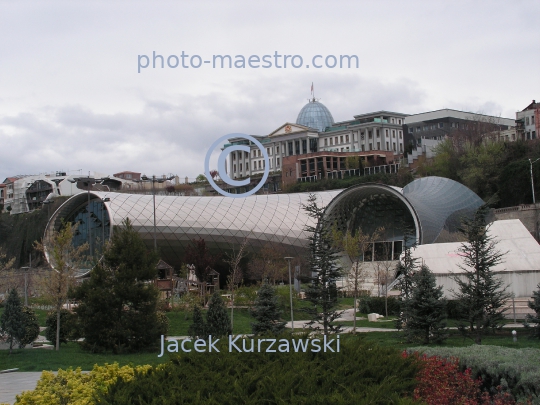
15 383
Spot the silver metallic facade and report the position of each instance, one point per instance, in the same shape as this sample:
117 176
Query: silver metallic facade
430 207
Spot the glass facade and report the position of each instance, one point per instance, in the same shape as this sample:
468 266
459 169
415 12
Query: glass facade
315 115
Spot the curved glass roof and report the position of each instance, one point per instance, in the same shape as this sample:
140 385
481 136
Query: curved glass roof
440 204
315 115
430 207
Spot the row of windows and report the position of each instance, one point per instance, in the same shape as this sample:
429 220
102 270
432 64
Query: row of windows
529 122
258 165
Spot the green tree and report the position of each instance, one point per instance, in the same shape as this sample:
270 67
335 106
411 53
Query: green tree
534 319
31 327
426 310
64 259
267 313
118 303
218 323
481 294
355 246
197 329
13 320
68 326
405 272
323 261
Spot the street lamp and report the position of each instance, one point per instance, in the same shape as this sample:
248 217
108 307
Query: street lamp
290 291
532 181
154 180
88 183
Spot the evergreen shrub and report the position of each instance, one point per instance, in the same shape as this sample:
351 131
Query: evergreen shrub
360 373
515 371
69 329
376 305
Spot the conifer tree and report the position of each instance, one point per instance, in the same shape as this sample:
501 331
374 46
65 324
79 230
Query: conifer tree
31 327
323 261
218 323
534 319
118 304
13 320
197 329
426 310
481 294
405 270
267 313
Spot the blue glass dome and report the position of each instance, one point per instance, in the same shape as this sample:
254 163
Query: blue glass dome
315 115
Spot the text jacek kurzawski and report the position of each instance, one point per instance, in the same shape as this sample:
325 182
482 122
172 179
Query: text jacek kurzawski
250 345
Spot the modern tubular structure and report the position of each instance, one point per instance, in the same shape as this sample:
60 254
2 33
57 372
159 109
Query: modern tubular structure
429 208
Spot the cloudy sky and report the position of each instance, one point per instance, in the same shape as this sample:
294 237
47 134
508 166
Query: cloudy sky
71 96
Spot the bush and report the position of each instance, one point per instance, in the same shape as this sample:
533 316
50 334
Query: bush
74 387
162 323
31 327
454 310
69 328
513 370
360 373
376 305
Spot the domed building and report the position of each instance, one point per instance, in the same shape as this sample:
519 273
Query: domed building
315 115
315 147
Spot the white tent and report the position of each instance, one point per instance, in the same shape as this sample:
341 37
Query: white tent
520 269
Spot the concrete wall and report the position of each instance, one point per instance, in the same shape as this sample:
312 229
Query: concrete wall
528 214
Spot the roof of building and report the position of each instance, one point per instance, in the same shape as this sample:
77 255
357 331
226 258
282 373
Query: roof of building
315 115
448 112
126 172
532 106
521 251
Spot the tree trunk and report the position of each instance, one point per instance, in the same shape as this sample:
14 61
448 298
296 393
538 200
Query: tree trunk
58 328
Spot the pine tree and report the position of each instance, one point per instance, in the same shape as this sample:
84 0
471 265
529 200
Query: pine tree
481 295
426 310
323 261
534 319
13 320
197 329
267 313
118 303
218 323
31 327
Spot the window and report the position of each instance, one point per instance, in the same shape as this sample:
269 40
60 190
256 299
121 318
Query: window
270 164
378 134
277 149
386 132
378 146
247 167
331 141
418 129
411 130
304 146
246 155
400 135
234 156
363 147
362 136
259 152
346 138
259 164
234 168
387 147
394 146
370 135
526 120
325 141
399 122
426 127
393 133
401 147
254 153
441 125
392 120
341 139
277 162
370 147
532 120
268 151
336 140
240 166
297 147
128 176
290 149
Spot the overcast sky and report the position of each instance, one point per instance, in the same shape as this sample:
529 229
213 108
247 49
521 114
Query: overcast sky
71 96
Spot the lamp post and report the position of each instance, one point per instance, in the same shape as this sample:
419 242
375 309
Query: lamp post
290 291
88 183
532 181
154 180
